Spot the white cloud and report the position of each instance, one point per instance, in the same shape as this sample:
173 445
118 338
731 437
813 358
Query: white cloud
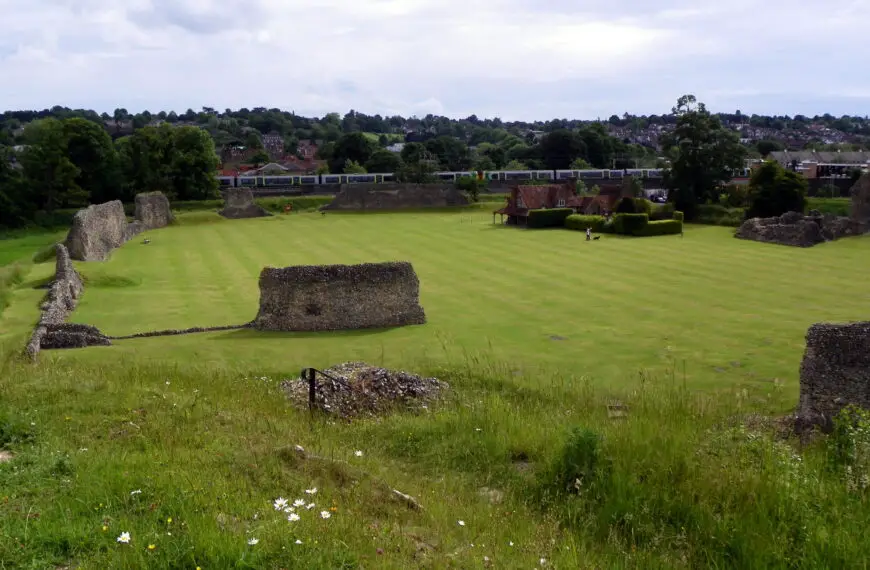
513 58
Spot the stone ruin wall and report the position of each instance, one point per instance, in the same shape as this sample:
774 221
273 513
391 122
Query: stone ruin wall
860 208
52 330
397 196
339 297
153 210
835 372
239 204
100 228
795 229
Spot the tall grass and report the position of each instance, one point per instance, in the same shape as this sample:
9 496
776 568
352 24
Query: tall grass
10 277
533 470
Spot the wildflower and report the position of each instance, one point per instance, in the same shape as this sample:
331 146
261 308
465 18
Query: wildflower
486 558
542 561
105 528
333 509
298 541
253 541
280 503
311 491
288 510
298 503
83 449
124 538
325 514
309 506
167 382
511 543
358 453
461 523
293 517
169 520
136 492
152 546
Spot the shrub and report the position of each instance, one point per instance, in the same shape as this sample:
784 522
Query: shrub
550 218
662 212
628 224
579 466
472 186
678 216
717 215
642 206
580 223
773 191
626 206
661 228
735 196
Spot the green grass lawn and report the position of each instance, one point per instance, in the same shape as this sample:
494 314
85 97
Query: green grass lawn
535 331
733 310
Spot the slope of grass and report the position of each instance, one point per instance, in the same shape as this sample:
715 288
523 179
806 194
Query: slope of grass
536 331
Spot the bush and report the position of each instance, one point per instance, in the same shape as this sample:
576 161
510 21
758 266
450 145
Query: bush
661 228
836 206
662 212
735 196
642 206
717 215
628 224
679 216
550 218
472 186
580 223
627 206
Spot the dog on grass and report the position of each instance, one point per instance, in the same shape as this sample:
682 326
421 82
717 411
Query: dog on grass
596 237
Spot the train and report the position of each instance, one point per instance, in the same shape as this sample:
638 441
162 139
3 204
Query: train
282 181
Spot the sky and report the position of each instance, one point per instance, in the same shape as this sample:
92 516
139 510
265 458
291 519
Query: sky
513 59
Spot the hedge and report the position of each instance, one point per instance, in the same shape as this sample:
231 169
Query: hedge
660 228
628 224
597 224
550 218
679 216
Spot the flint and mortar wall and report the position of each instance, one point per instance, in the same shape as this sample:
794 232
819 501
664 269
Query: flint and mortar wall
339 297
63 294
239 204
835 371
396 196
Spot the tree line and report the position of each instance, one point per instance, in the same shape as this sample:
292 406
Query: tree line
73 162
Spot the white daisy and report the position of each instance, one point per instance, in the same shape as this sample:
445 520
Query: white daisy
280 503
298 541
309 506
253 541
124 538
358 453
298 503
325 514
311 491
461 523
293 517
136 492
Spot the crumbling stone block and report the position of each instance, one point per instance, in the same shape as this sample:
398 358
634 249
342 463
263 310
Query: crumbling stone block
860 207
835 372
152 210
96 231
338 297
239 203
795 229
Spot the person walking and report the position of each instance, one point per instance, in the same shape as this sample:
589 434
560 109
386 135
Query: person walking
588 234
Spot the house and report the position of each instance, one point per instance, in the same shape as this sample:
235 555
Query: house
525 198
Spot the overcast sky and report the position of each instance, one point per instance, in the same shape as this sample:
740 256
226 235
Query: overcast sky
515 59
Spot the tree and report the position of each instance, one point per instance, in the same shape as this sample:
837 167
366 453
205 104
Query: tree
383 161
452 154
194 164
773 191
90 148
765 147
352 146
252 140
258 158
515 165
580 164
704 156
559 148
15 207
49 175
353 167
600 146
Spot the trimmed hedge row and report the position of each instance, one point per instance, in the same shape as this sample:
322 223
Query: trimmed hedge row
550 218
637 225
580 223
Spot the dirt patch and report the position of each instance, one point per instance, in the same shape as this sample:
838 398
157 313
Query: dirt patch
5 456
357 389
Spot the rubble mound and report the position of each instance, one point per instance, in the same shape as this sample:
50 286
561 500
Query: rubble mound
69 335
358 389
795 229
239 204
152 210
96 231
